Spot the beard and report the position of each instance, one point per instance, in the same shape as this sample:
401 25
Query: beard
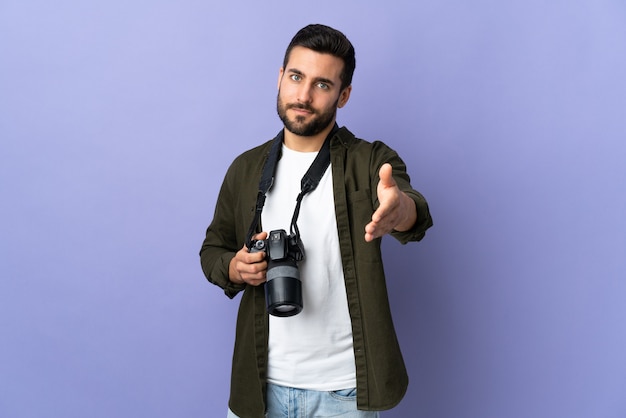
298 126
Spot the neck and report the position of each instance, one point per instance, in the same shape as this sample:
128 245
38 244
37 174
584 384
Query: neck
306 143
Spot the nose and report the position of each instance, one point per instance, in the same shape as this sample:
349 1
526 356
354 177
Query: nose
304 94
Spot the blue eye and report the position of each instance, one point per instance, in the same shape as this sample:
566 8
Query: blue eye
295 77
323 86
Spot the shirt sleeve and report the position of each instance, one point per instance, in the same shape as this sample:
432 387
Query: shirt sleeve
220 244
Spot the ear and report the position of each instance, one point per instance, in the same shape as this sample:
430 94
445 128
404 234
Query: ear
344 96
280 76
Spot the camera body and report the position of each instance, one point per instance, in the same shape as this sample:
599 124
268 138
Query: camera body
283 289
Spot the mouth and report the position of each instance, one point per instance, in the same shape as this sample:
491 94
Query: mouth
301 110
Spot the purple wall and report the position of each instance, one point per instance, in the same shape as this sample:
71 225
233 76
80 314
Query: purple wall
119 119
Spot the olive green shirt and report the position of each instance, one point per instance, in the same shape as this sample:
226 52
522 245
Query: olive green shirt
380 371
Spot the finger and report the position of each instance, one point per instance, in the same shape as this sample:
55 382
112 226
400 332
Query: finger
371 233
374 229
383 219
386 207
260 235
256 237
385 175
250 258
253 274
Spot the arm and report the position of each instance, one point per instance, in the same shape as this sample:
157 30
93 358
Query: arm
225 260
399 209
219 248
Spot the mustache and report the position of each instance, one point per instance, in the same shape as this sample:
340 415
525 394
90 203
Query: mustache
300 106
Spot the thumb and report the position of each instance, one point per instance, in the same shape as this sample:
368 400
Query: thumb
261 235
386 179
257 237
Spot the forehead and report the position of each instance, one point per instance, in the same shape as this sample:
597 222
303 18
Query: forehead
314 64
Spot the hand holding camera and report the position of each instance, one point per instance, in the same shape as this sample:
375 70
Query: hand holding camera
249 268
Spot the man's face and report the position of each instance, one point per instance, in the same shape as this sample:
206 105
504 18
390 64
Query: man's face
309 91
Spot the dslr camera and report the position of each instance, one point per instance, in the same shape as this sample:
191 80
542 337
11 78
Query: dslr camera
283 289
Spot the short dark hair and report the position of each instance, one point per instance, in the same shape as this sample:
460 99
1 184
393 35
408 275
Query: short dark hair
326 40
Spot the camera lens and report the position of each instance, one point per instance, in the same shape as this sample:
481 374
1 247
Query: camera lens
283 290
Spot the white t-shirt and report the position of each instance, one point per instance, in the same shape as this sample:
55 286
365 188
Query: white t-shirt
313 349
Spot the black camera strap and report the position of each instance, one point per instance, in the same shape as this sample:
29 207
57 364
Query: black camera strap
309 181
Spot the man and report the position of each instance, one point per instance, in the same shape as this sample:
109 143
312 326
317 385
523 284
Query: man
339 356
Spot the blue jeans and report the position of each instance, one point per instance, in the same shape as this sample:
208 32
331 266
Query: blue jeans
285 402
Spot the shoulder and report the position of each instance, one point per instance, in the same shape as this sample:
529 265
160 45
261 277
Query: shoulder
375 151
249 162
253 154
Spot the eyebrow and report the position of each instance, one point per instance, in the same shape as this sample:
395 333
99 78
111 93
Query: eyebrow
316 80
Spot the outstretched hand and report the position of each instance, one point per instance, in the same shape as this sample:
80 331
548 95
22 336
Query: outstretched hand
396 210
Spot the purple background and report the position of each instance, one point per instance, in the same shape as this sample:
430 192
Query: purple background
118 120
